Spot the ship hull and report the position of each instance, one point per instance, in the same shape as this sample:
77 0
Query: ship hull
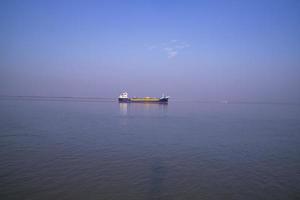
143 100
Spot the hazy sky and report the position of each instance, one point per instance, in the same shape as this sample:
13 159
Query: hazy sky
210 50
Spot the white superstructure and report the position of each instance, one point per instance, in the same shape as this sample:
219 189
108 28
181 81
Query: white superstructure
124 95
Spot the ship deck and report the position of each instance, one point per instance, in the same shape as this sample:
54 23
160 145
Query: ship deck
144 99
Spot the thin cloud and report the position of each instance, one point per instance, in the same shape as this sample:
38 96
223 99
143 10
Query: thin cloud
171 48
171 52
152 47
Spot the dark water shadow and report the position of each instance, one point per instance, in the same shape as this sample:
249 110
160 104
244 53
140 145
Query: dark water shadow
157 177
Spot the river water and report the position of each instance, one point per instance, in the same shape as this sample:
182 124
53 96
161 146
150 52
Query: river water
182 150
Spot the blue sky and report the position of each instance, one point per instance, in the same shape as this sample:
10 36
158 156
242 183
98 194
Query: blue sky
210 50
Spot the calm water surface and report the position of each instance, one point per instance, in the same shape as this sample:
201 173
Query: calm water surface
183 150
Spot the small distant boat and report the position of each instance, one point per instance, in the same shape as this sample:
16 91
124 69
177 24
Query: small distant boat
124 98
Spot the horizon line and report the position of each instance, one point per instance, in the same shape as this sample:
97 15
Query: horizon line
95 98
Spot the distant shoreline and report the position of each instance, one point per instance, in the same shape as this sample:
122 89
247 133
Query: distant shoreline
110 99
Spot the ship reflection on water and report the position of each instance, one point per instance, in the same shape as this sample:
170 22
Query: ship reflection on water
123 108
142 108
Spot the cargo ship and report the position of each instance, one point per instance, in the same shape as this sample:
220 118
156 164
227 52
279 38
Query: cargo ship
124 98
